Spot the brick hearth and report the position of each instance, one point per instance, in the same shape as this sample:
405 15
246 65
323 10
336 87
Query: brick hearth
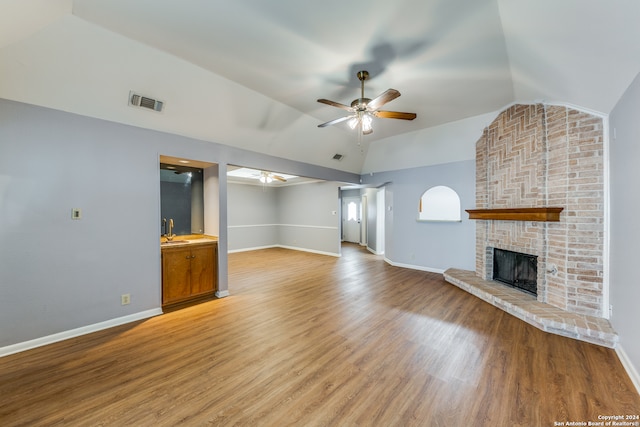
546 317
540 156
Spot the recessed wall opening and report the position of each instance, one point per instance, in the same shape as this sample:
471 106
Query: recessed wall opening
516 269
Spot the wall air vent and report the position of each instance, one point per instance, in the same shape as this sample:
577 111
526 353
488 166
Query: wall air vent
141 101
337 156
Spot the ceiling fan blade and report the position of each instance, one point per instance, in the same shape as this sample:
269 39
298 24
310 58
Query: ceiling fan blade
279 178
388 95
335 104
394 115
335 121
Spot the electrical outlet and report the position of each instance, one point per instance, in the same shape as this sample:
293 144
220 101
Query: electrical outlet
125 299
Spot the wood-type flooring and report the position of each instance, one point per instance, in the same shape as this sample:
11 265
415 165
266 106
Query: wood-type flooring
314 340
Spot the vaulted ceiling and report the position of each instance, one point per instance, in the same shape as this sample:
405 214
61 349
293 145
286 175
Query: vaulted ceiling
247 73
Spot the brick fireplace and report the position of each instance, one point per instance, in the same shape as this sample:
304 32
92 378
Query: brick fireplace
539 156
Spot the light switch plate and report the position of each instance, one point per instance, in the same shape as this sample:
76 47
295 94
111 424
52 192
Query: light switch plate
76 213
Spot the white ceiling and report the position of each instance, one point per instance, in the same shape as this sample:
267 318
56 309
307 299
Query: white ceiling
248 73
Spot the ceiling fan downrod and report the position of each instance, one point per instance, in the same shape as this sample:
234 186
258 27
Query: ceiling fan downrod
360 104
362 76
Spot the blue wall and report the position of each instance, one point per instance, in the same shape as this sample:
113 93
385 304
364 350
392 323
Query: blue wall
432 246
60 275
625 227
298 217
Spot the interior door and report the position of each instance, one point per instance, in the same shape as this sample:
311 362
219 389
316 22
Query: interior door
351 218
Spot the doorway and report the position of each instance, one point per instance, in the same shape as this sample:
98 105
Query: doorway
380 221
351 219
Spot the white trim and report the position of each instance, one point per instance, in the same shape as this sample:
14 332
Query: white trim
374 252
295 248
606 283
327 227
284 225
272 185
414 267
364 222
72 333
628 366
574 107
551 103
251 225
255 248
222 294
310 250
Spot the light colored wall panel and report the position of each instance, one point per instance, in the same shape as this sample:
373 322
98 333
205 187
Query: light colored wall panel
625 228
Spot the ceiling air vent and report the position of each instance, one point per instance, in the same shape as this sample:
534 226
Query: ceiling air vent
145 102
337 156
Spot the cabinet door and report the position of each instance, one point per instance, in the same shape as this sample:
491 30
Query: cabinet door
176 274
202 269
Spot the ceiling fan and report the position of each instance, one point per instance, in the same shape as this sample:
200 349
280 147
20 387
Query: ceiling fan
267 177
363 110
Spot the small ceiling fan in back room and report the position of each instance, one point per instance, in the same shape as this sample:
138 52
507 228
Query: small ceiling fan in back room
363 110
268 177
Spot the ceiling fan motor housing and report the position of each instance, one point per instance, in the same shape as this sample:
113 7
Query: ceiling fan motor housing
360 104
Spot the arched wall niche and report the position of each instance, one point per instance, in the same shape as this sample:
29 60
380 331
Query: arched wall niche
439 203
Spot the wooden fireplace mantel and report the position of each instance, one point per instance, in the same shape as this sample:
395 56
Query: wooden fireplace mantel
517 214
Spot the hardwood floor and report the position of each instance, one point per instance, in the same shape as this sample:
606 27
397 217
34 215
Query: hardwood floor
313 340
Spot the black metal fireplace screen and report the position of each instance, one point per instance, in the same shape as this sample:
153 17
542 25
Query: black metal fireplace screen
516 269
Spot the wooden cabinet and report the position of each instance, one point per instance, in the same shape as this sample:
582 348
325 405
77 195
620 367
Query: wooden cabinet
188 271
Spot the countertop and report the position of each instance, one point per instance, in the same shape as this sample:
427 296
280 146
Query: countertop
179 241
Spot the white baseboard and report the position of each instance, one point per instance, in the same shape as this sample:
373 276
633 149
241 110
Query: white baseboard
309 250
628 366
374 252
294 248
222 294
414 267
61 336
255 248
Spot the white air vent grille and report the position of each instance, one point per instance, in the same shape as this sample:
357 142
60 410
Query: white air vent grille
145 102
337 156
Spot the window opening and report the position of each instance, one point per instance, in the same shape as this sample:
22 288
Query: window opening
439 203
352 211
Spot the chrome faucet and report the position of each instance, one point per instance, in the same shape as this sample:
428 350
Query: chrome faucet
170 234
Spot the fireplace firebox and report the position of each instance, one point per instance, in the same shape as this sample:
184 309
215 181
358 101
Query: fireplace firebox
516 269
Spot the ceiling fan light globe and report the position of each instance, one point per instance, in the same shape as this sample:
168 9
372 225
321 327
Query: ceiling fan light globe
353 122
366 124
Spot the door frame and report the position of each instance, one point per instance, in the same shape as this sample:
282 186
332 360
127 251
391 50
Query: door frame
345 213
